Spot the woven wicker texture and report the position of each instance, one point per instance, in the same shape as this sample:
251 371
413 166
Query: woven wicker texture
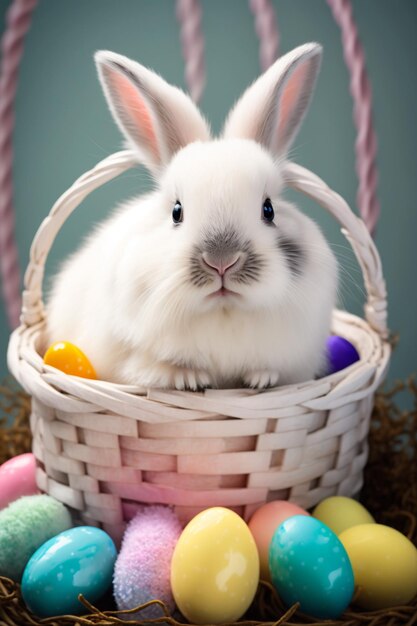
104 448
389 493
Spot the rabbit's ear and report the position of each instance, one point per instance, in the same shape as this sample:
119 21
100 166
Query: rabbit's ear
156 117
273 107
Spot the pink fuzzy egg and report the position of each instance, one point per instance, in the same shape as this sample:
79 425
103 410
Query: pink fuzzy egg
263 524
143 567
17 478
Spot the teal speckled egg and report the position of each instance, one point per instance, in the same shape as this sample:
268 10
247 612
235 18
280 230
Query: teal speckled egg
79 560
309 565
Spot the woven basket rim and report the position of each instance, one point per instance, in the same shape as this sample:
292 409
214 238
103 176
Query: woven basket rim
333 390
378 353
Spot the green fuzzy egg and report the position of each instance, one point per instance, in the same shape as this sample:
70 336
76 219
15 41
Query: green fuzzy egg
24 526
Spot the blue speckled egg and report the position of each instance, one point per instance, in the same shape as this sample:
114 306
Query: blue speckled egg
309 565
79 560
340 354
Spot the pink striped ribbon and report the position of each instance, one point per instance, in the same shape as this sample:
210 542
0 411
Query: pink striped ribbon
17 23
192 41
360 90
266 28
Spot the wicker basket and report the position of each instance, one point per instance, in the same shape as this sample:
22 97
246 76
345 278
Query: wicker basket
103 449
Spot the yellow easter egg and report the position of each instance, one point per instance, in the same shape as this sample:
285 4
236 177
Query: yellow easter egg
68 358
340 513
215 568
384 565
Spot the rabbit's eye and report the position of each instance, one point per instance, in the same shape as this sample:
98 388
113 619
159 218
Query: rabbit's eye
177 212
268 210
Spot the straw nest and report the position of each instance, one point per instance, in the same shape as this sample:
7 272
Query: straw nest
390 494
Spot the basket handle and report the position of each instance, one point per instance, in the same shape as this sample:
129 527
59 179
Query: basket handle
296 176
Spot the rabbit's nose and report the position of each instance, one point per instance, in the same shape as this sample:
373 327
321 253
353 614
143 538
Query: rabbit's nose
220 264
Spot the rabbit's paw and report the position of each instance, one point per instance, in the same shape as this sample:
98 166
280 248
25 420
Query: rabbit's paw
186 378
260 379
170 376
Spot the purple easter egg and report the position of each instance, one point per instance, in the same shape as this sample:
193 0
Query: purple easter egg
340 353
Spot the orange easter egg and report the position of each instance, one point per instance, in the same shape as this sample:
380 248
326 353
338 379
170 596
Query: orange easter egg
264 523
68 358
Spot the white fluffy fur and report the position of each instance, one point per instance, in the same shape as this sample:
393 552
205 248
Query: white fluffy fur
126 299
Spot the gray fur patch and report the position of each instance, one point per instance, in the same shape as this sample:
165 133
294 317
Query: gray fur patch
294 255
222 243
198 272
252 267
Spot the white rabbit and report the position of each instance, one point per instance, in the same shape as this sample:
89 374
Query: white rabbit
211 279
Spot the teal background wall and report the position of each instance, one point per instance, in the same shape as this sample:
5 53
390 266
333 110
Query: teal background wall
63 126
